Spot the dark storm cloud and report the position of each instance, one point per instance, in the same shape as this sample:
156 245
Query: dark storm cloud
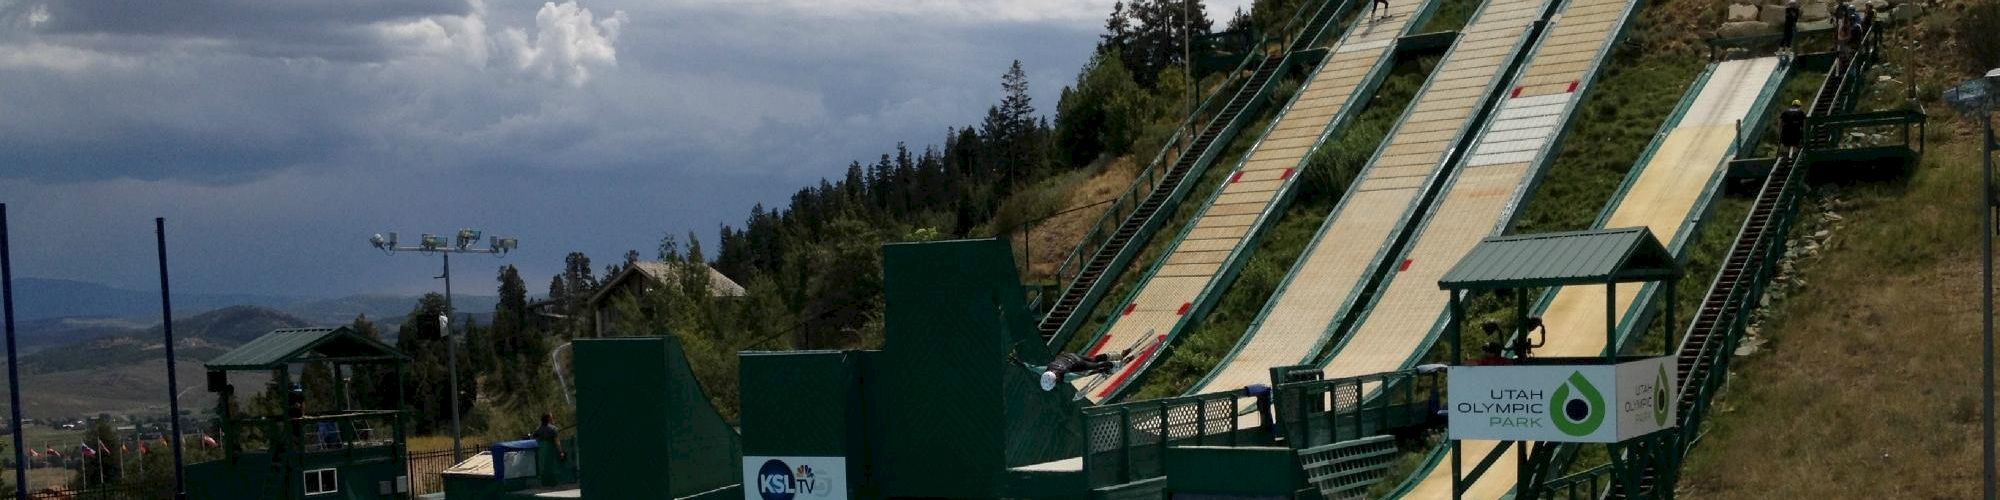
277 28
425 117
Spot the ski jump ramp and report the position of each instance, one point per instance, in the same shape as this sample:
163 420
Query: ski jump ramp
1670 193
1184 284
1386 197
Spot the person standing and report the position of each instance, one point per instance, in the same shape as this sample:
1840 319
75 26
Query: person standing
1381 5
1791 26
1792 128
548 432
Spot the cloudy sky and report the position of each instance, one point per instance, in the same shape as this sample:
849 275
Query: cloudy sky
276 135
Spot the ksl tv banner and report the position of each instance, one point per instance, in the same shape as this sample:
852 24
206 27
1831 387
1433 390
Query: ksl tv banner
1567 404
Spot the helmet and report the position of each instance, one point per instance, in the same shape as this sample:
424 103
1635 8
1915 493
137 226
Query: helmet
1795 102
1049 380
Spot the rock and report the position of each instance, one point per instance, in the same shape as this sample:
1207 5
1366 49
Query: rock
1907 11
1773 14
1744 28
1822 234
1813 11
1750 345
1834 217
1741 12
1883 78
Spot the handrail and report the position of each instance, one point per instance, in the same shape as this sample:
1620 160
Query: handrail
1385 400
1146 182
1124 442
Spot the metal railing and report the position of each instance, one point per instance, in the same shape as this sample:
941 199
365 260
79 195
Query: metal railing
1128 442
1320 412
426 469
148 490
1149 178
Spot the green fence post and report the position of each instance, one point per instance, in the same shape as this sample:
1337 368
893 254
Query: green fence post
1201 423
1124 445
1160 455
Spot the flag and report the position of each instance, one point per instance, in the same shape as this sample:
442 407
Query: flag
85 448
122 447
142 447
33 453
209 441
164 441
53 453
101 446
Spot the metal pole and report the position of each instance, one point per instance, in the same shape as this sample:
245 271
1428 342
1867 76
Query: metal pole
451 360
13 372
173 383
1987 351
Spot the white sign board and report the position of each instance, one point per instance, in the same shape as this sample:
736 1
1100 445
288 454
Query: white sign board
1568 404
794 478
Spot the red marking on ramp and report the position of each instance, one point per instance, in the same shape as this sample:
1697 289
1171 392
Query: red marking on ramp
1235 177
1144 356
1517 92
1129 308
1184 308
1099 346
1286 175
1405 266
1572 86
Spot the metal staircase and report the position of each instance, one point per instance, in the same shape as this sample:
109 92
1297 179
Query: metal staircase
1093 267
1704 353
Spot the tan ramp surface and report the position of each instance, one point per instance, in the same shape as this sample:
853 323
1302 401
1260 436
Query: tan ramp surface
1663 198
1383 195
1220 231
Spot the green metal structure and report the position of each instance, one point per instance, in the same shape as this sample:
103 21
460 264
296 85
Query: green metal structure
645 427
344 453
945 409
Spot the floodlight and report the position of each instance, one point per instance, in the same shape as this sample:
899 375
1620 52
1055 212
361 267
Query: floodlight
376 240
433 242
466 237
503 245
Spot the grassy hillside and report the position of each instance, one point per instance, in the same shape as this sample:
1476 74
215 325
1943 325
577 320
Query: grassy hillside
1872 337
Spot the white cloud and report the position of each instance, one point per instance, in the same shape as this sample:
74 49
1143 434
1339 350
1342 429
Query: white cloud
568 43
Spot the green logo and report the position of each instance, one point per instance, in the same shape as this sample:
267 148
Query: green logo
1660 397
1577 414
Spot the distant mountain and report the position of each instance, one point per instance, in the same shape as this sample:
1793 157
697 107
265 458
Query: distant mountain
35 335
197 338
385 310
42 298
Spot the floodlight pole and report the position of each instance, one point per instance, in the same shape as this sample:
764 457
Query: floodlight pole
173 384
13 372
462 245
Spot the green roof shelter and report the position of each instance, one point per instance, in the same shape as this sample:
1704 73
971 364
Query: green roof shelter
335 451
1522 262
1595 257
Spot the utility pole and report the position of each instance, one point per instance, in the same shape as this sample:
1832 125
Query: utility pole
431 243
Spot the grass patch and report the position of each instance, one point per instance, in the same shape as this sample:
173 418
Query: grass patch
1867 348
1325 181
1451 15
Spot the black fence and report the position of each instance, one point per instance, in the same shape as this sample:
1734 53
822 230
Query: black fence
152 490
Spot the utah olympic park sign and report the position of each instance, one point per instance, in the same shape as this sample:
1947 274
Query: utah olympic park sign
794 478
1568 404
